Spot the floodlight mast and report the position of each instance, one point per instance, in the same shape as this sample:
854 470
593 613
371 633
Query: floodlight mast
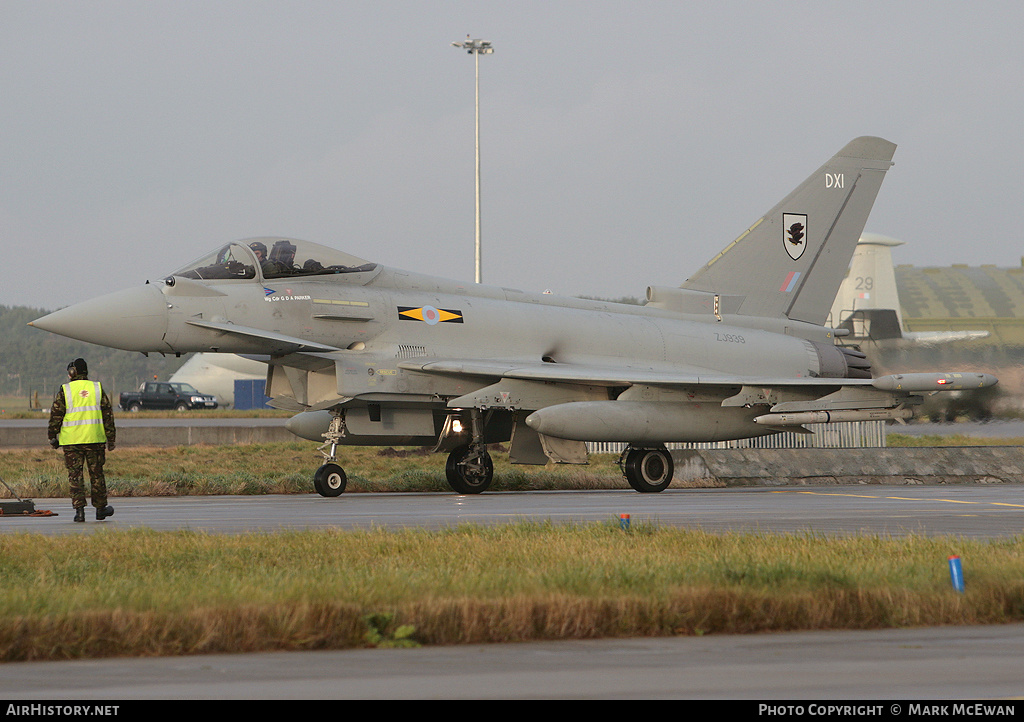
477 47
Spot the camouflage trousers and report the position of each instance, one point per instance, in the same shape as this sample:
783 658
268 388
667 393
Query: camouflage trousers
77 456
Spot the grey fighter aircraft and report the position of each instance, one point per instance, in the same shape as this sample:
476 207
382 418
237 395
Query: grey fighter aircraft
868 303
380 356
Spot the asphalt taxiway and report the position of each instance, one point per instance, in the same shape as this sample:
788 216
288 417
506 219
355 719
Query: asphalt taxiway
974 511
960 663
928 664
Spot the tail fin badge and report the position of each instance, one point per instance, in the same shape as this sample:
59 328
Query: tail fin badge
794 234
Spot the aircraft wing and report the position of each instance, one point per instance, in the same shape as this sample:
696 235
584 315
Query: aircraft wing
569 373
661 405
602 375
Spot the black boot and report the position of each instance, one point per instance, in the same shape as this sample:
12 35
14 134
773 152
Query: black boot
80 514
103 513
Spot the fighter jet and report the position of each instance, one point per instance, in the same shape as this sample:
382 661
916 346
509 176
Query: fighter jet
370 355
868 303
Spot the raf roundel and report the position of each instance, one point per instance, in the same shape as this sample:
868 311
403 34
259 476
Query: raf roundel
429 314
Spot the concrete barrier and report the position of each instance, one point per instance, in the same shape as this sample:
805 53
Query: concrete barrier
29 437
214 435
899 466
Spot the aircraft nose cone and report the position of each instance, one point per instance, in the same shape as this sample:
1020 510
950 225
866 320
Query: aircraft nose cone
134 320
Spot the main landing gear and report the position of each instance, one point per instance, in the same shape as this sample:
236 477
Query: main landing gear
648 470
469 469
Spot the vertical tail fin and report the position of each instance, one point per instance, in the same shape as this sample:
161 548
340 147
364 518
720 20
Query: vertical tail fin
790 263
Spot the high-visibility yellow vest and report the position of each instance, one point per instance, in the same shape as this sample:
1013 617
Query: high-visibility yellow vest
83 420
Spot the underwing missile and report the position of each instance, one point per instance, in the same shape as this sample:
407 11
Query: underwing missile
800 418
934 381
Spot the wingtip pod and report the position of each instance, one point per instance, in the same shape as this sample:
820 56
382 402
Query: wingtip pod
953 381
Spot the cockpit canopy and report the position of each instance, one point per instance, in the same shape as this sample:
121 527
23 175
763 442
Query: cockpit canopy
273 257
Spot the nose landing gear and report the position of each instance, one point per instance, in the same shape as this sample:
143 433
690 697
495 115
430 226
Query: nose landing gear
330 479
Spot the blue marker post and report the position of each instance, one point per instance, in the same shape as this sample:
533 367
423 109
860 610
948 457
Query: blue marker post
624 522
956 573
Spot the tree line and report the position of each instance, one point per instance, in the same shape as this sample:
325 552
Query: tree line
34 362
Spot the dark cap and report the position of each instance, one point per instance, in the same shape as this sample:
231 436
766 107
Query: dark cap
79 367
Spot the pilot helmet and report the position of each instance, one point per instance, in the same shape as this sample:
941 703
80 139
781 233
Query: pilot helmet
259 248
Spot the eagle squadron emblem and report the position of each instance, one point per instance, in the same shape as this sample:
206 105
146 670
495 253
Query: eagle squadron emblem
794 234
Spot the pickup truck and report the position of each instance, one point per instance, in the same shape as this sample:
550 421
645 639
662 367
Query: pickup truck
163 395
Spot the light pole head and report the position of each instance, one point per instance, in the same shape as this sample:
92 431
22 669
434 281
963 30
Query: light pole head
477 46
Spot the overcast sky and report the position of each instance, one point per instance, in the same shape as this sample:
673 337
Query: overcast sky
623 143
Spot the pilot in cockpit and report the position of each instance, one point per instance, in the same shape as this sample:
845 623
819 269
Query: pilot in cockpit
268 266
283 256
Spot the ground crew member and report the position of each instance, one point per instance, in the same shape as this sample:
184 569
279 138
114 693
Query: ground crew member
82 422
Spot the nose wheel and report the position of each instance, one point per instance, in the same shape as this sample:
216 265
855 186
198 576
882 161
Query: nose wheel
647 470
330 480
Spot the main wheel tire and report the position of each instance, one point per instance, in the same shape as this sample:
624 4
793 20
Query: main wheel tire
467 475
135 407
181 406
649 470
330 480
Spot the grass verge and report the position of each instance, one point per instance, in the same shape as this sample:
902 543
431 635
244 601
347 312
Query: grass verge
287 468
282 468
145 593
928 440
